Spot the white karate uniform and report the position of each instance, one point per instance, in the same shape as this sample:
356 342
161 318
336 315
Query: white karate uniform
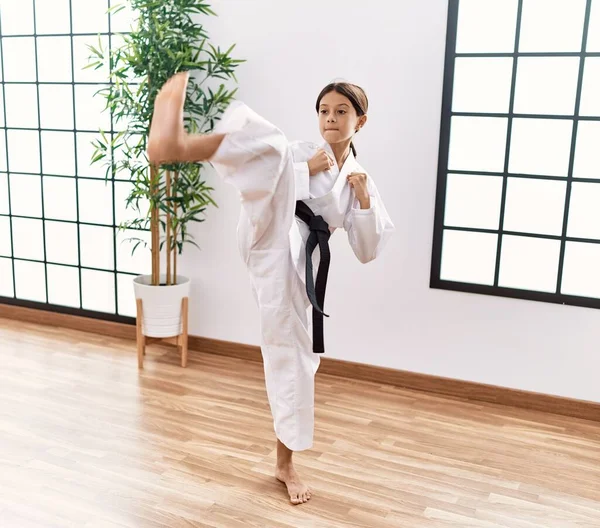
271 174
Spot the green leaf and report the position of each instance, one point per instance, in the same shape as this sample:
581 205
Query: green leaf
113 10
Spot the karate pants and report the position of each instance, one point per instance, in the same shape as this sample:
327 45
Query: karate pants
254 157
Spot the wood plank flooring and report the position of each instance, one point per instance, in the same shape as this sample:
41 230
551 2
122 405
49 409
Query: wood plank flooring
88 441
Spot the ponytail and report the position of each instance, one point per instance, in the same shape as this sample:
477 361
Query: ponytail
353 148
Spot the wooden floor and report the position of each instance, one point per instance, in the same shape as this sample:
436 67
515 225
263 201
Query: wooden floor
86 440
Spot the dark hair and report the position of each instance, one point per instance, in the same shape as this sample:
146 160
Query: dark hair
355 93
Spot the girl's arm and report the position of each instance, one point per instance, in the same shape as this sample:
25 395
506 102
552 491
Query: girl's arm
301 154
369 228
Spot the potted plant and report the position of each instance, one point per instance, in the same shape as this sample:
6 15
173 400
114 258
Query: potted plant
166 38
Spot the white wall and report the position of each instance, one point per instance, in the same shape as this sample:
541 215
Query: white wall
383 313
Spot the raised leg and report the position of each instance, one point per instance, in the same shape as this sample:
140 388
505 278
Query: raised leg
168 140
141 339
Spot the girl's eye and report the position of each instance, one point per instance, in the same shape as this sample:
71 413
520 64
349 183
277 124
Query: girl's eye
342 112
323 111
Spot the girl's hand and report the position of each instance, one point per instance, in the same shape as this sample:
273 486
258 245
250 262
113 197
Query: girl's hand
358 181
320 162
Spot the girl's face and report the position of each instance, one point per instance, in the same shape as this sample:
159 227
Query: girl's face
338 121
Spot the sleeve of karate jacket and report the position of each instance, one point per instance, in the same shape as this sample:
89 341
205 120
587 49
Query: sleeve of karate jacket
368 229
301 173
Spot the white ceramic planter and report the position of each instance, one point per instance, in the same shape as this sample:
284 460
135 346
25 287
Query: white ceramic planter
161 305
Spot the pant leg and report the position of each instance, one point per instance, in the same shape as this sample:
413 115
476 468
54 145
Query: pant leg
254 157
290 367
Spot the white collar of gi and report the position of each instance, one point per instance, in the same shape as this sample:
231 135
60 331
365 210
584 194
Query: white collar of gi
348 164
349 167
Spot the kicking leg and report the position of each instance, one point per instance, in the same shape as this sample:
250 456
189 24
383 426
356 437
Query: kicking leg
168 141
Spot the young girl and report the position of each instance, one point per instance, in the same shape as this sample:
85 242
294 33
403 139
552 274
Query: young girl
277 181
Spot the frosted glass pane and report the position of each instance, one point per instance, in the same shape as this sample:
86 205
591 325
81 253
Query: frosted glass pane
6 278
593 40
63 286
60 198
477 144
58 153
21 105
124 213
24 151
126 295
81 55
590 92
535 206
85 152
17 17
540 146
19 59
552 25
486 26
56 106
482 85
26 195
587 153
580 270
97 249
90 113
473 201
95 202
98 289
52 16
2 150
28 239
4 209
529 263
120 22
90 16
5 237
584 213
31 281
468 257
54 59
140 262
61 243
546 85
2 119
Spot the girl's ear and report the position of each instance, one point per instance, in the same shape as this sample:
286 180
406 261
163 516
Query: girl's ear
361 122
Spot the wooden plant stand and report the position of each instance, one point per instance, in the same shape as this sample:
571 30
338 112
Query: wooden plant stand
180 341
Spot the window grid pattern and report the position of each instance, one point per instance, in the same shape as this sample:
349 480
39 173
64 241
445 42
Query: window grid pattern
443 276
89 273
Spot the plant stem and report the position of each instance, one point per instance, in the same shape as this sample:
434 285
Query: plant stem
175 235
168 229
154 228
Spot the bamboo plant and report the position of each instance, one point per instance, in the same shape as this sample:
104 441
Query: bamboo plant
167 37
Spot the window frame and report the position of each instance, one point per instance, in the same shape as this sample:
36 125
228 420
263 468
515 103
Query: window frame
442 174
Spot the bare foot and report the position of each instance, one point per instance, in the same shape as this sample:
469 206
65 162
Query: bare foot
166 141
299 492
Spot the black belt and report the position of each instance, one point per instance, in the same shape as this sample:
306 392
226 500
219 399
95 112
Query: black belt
319 234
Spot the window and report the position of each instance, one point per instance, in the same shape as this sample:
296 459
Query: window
518 195
60 248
